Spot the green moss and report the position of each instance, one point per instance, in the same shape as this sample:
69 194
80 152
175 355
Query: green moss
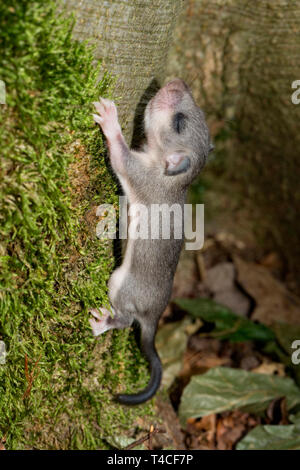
52 267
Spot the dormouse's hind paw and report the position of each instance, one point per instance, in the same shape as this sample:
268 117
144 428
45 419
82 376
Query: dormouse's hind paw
100 323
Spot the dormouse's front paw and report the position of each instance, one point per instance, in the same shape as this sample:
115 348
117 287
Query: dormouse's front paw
107 118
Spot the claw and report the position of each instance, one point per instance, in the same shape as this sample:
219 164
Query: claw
105 101
95 313
98 119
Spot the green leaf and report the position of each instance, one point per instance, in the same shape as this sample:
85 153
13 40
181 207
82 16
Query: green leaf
120 442
224 389
295 418
228 325
272 438
171 341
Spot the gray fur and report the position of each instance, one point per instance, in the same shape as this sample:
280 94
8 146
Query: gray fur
146 289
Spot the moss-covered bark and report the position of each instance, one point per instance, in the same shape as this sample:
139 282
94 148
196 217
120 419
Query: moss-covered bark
57 383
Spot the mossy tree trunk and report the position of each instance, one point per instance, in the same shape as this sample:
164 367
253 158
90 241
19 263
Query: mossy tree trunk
132 38
56 384
242 58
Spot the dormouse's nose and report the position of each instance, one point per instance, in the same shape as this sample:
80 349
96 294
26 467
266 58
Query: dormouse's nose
168 97
173 92
176 85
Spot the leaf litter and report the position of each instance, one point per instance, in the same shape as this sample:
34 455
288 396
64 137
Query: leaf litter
225 344
229 378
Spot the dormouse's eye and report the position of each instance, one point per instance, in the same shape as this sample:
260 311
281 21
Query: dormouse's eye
179 121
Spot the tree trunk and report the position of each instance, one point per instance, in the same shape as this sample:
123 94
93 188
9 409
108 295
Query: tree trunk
242 58
132 38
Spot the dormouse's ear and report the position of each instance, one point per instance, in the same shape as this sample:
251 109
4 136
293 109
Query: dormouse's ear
177 163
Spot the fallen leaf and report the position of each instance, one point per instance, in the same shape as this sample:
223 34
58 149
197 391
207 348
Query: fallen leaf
171 341
270 368
224 389
201 433
228 324
229 431
295 418
274 303
120 442
186 276
249 362
201 354
272 437
272 261
220 278
199 362
235 300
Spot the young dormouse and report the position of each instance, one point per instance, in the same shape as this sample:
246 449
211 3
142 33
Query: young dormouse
177 145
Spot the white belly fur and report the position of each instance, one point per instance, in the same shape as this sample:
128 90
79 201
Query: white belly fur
119 275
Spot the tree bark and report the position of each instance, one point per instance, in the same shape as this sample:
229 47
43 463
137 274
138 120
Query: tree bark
132 38
242 58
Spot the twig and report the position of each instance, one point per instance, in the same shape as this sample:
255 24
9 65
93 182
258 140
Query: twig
30 376
2 442
148 437
201 266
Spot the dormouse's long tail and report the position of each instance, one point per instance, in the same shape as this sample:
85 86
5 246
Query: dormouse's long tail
150 352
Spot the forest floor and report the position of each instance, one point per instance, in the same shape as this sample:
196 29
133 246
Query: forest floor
226 343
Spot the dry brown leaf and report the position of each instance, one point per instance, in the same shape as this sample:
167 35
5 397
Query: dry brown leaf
272 261
186 276
201 432
220 278
209 424
229 240
219 432
231 427
270 368
199 362
171 341
274 303
220 281
235 300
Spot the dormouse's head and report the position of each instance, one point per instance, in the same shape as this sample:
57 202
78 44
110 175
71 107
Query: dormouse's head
177 132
